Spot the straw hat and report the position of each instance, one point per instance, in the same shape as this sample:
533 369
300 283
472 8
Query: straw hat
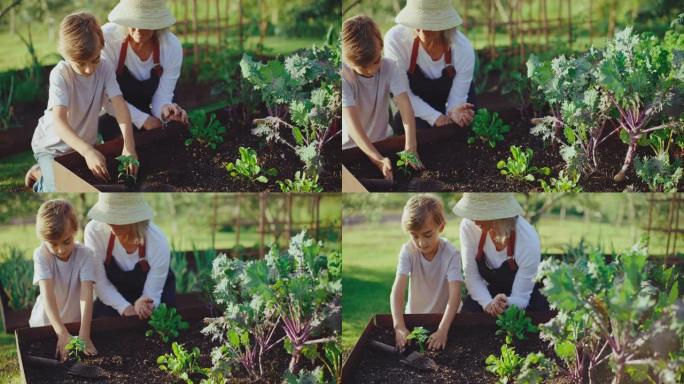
148 14
431 15
487 206
120 208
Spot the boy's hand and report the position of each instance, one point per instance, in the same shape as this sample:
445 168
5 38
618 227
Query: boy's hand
90 347
96 163
385 167
419 166
462 114
132 170
61 353
442 120
438 340
175 113
144 307
400 335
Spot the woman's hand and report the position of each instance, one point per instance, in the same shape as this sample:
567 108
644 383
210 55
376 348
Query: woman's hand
129 311
61 353
385 167
462 114
400 335
497 305
151 123
96 163
144 307
175 113
132 169
438 340
442 120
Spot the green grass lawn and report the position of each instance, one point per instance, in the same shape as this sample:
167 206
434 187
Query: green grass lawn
12 171
370 254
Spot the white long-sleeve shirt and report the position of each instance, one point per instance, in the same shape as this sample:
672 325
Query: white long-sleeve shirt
157 252
527 255
398 46
170 58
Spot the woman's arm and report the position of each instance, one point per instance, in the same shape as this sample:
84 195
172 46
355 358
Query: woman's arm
172 61
356 132
477 289
47 292
463 57
158 256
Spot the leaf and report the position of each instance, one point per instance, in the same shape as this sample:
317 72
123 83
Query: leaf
262 179
529 177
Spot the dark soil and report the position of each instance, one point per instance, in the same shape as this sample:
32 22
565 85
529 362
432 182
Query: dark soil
130 357
453 165
463 360
171 166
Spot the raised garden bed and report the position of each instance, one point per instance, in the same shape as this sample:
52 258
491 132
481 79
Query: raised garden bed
454 165
168 165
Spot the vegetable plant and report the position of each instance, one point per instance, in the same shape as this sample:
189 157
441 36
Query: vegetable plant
566 182
519 166
536 369
124 163
248 167
181 363
16 275
488 127
301 183
333 359
406 162
303 98
166 323
208 133
505 366
514 324
76 348
659 172
420 335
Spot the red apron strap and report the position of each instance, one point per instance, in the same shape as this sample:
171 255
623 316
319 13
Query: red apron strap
158 69
480 246
414 55
122 57
448 67
110 248
511 249
144 265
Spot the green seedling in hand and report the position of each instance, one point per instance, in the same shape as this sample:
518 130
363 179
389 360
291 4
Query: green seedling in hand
124 163
407 160
420 335
76 347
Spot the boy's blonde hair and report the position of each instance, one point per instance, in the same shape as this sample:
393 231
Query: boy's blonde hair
360 36
80 37
418 208
54 218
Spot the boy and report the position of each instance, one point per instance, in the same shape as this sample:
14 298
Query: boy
433 266
78 86
65 272
367 81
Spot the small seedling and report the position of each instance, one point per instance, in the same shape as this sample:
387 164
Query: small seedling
247 166
181 363
406 161
420 335
76 347
488 127
505 367
519 166
514 324
124 163
166 322
566 182
302 183
208 133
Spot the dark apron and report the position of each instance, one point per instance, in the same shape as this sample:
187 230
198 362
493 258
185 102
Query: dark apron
435 92
500 280
130 284
136 92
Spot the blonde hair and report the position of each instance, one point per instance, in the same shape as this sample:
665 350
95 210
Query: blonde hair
136 232
360 35
418 208
501 229
80 37
121 32
444 34
54 219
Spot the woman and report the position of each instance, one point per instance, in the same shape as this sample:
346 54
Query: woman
500 251
132 257
148 59
438 61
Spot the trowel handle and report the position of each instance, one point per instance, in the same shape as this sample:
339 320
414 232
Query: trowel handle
382 347
41 361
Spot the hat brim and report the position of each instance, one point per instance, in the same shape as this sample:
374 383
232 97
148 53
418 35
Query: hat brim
160 20
99 214
469 209
429 20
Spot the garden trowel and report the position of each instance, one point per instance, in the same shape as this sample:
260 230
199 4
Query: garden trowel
414 359
75 368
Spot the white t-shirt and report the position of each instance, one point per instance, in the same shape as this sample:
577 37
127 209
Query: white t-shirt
371 96
398 46
170 58
428 280
83 97
158 256
66 277
527 255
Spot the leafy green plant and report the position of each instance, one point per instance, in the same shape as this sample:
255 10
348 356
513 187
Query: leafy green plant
406 162
166 323
181 363
333 359
124 163
248 166
506 366
16 276
6 108
76 348
566 182
536 369
420 335
513 323
488 127
519 166
208 133
316 376
302 183
659 172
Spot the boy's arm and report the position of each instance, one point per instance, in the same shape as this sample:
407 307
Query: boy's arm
94 159
86 302
397 304
438 339
356 132
409 121
123 117
48 293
